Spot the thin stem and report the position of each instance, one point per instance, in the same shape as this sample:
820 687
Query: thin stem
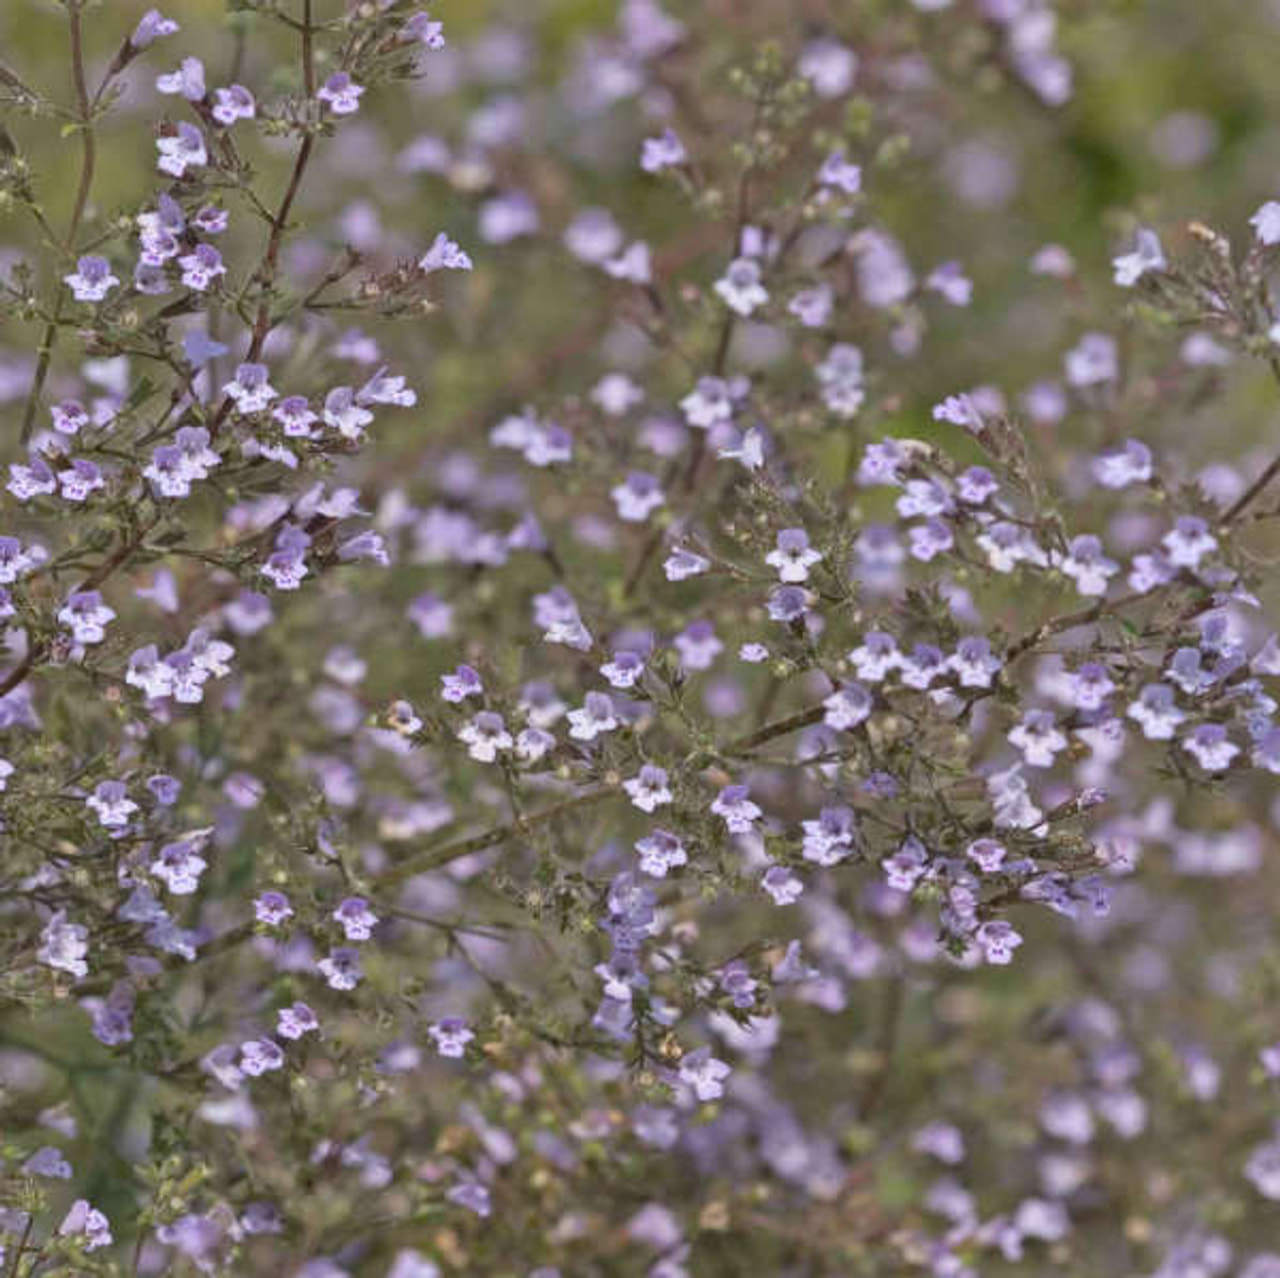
266 272
435 858
88 164
1259 485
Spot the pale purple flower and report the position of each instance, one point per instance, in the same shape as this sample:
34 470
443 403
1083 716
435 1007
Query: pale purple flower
1039 739
847 707
1266 224
987 854
951 283
734 807
788 604
272 908
828 65
87 1221
472 1195
201 267
64 945
1093 361
179 866
595 717
1146 257
355 918
1087 565
152 26
1120 467
682 563
48 1161
340 93
974 663
86 616
296 1020
92 279
997 940
663 152
740 287
624 669
792 555
181 150
1188 542
260 1056
250 390
341 968
698 645
782 884
233 103
451 1036
485 736
840 174
660 853
875 656
1212 749
813 306
648 789
464 682
637 497
705 1074
840 379
1156 711
187 80
444 255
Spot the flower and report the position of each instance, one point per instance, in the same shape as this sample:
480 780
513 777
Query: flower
637 497
260 1056
296 1020
233 103
840 378
64 945
451 1036
485 736
87 1221
272 908
462 683
341 968
1038 738
792 555
648 789
92 279
1212 749
660 852
340 93
444 255
1086 565
201 267
740 287
1266 224
734 807
86 616
181 150
1156 711
152 26
663 152
705 1074
1147 257
847 707
355 918
594 717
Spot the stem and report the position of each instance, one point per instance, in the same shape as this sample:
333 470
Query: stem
779 728
1259 485
88 163
266 272
434 858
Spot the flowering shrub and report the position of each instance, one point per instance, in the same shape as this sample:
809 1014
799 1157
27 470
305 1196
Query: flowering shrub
632 768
